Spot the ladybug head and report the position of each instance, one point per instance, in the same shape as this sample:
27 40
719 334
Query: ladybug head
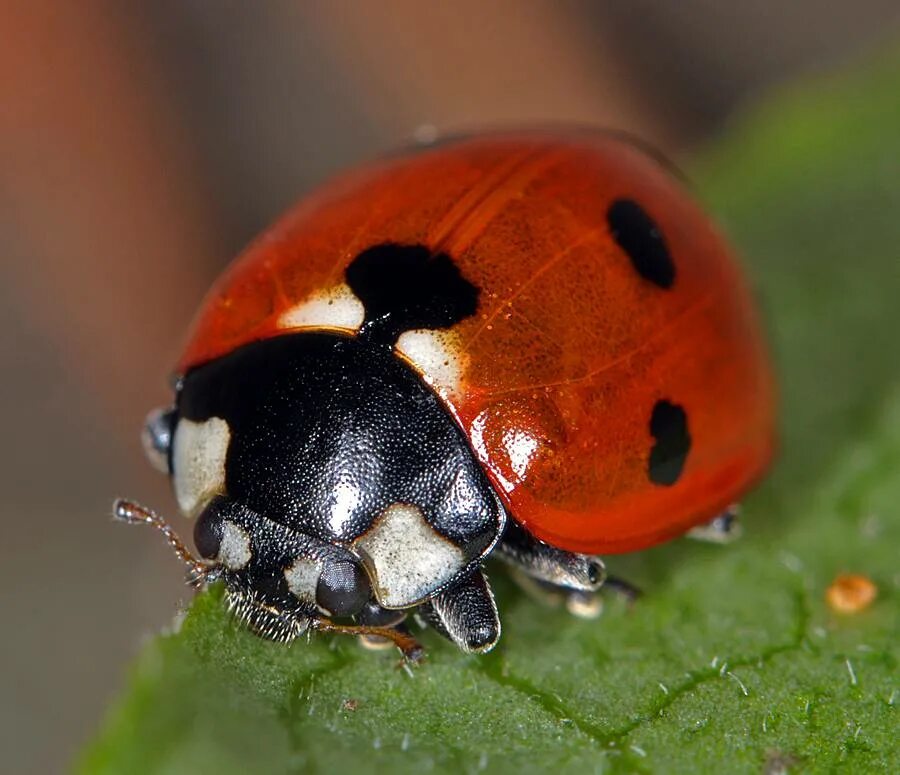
323 475
268 567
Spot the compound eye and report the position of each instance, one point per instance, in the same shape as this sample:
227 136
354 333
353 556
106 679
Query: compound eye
209 529
343 588
156 438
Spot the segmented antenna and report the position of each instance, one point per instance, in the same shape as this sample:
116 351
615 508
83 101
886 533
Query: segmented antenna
132 513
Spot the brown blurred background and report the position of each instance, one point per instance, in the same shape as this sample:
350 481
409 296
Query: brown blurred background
142 144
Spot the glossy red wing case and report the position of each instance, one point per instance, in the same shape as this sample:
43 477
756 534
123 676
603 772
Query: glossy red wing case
558 376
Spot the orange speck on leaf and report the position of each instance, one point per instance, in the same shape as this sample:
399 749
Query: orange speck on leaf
850 593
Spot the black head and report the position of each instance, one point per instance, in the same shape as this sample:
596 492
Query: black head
277 579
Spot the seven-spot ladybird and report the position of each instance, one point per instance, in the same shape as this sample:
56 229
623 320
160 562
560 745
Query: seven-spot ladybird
529 346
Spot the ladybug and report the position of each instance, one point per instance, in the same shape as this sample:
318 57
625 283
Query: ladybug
529 346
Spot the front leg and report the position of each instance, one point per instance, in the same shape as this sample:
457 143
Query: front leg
466 614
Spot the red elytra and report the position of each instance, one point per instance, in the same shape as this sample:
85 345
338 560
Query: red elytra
571 347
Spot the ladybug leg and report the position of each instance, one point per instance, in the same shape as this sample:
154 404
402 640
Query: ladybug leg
465 614
722 529
547 564
554 575
373 615
587 605
372 642
624 589
399 636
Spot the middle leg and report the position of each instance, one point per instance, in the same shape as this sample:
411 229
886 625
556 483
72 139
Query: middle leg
554 574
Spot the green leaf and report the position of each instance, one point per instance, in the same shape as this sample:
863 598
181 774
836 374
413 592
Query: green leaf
732 661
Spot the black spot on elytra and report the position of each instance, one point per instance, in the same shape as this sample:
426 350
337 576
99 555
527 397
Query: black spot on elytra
668 424
638 235
403 287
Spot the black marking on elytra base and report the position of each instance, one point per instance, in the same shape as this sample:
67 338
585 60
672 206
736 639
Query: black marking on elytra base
404 287
668 424
638 235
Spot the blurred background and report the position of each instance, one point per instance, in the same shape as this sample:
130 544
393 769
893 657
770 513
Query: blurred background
143 144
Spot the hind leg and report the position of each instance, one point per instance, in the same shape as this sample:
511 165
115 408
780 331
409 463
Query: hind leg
722 529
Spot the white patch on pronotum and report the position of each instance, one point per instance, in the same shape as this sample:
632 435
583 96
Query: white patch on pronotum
405 558
436 355
198 462
234 551
302 579
335 307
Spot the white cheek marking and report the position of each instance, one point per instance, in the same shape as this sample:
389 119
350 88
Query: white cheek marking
234 551
335 307
405 558
198 462
437 356
302 579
